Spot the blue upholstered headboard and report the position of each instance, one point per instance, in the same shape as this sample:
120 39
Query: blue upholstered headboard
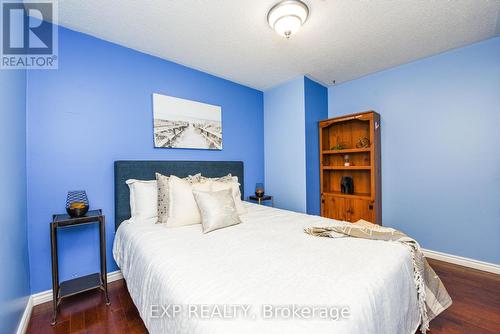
145 170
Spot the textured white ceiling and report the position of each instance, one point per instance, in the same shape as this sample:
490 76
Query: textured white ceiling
342 39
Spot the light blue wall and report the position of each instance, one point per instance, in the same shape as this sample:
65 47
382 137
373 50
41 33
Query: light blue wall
14 277
291 114
316 109
440 147
97 108
284 134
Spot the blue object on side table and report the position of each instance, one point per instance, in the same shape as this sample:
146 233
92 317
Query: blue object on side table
77 203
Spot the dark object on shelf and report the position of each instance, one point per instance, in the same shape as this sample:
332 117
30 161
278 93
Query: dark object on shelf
261 200
75 286
77 203
363 143
259 190
347 185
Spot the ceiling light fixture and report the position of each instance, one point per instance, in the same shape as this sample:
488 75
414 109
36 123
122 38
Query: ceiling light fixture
286 17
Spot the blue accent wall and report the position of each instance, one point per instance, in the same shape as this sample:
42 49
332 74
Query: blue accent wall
97 108
14 280
440 147
284 134
316 109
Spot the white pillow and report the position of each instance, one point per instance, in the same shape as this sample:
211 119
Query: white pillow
235 189
143 199
163 194
182 208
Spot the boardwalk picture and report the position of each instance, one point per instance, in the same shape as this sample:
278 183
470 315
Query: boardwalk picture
180 123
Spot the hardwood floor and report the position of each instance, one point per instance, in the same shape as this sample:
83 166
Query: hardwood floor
475 309
87 313
476 300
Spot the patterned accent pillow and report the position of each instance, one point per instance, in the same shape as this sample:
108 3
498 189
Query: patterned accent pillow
163 197
226 178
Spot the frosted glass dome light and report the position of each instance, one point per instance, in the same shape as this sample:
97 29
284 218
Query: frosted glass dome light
286 17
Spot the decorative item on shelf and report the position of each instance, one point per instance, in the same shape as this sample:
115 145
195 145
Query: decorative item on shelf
363 143
259 190
347 185
347 162
77 203
338 147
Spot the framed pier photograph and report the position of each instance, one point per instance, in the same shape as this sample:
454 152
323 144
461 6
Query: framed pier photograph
180 123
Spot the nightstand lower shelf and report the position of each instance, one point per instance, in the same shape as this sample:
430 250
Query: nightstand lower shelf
80 284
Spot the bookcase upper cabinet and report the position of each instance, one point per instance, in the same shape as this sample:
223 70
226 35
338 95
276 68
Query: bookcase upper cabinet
357 136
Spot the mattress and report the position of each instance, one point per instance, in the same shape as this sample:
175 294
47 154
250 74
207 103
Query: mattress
253 277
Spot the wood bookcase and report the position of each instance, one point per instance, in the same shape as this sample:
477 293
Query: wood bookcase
338 137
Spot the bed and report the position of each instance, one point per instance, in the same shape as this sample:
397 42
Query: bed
260 271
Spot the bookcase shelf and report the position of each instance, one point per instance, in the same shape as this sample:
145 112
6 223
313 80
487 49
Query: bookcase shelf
355 195
347 132
347 167
348 150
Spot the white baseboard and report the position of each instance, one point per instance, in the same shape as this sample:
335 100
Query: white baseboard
46 296
463 261
115 276
25 319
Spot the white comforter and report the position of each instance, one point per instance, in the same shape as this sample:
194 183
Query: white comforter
267 259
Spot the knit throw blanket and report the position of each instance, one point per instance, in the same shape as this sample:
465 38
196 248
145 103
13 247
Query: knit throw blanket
432 295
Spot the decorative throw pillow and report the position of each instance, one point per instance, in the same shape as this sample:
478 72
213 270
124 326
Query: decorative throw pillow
143 195
182 208
217 209
235 191
226 178
163 195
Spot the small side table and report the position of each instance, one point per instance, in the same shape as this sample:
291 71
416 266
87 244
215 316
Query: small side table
74 286
261 200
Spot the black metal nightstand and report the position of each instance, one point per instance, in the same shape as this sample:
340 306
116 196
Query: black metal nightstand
84 283
261 200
